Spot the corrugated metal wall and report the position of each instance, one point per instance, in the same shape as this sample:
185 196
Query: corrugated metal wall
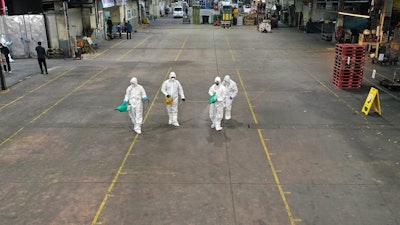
24 31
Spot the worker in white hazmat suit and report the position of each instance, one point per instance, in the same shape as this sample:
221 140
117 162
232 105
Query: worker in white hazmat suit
217 105
173 88
135 93
230 94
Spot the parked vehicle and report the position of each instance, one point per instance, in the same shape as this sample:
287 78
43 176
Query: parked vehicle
178 12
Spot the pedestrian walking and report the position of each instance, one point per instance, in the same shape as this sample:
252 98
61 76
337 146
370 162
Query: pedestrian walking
129 30
217 102
134 97
172 88
41 54
119 29
5 58
230 93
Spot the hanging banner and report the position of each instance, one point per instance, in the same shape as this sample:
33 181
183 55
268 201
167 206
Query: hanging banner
108 3
120 2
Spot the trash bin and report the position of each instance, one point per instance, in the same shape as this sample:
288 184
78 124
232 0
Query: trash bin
205 19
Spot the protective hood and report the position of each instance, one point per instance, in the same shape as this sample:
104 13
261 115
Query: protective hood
217 80
227 78
134 81
172 75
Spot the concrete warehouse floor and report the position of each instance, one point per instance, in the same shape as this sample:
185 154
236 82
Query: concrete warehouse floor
297 151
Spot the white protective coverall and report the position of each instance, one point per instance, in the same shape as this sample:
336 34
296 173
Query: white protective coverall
173 88
217 108
134 95
231 92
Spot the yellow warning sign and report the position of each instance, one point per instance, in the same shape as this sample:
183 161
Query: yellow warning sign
372 99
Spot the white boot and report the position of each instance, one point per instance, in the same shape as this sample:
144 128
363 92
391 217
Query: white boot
137 129
227 114
175 119
169 118
218 126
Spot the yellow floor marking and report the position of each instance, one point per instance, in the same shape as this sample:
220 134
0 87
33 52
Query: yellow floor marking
114 181
328 89
230 49
67 95
101 53
11 137
262 139
17 99
181 49
31 91
128 52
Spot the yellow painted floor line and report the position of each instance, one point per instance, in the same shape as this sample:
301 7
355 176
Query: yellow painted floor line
128 153
67 95
101 53
37 88
230 50
48 109
181 49
267 153
262 139
131 50
328 89
11 137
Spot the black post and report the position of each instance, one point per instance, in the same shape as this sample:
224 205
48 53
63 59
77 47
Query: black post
3 80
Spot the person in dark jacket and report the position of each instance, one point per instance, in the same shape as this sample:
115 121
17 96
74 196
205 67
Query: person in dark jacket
41 54
109 26
6 52
129 30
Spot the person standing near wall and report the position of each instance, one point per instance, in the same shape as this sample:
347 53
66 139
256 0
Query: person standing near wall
119 29
129 30
41 54
109 26
5 56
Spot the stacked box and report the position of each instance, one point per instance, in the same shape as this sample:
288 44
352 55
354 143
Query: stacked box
349 66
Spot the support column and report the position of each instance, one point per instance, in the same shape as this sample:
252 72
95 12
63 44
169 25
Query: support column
384 25
340 18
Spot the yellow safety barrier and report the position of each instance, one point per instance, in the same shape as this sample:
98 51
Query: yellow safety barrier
372 99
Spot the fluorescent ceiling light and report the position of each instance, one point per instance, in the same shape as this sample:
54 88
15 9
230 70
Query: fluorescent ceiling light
352 14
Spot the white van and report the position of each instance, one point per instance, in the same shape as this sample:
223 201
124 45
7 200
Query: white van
177 11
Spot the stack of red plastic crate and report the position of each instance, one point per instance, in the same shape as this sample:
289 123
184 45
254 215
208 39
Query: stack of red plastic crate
349 66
